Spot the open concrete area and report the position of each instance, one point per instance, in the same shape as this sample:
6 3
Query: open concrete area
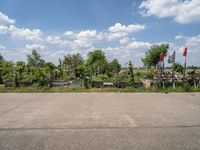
99 121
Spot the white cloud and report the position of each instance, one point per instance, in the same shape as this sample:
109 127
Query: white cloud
133 50
89 35
124 41
36 47
138 45
69 33
58 41
3 29
86 39
25 33
41 49
179 37
119 31
183 11
82 40
118 27
2 47
193 44
5 19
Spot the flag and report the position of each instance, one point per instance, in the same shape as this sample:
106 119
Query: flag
171 58
161 57
185 52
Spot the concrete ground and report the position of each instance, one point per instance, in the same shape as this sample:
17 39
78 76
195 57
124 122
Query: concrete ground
100 121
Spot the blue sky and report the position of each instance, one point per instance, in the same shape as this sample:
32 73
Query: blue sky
124 29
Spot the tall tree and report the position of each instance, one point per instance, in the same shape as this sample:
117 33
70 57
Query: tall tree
34 60
113 67
8 70
35 68
20 68
152 57
50 70
60 68
96 62
131 74
71 64
1 69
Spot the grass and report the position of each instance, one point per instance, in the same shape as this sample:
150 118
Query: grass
100 90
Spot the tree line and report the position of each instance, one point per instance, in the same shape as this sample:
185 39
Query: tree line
72 67
36 71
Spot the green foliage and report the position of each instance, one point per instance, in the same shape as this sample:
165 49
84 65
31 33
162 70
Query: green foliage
113 68
20 69
40 77
131 78
96 63
121 77
177 67
102 77
8 70
34 60
1 62
38 74
152 57
149 74
72 65
78 89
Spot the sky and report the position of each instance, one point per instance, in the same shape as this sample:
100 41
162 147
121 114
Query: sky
123 29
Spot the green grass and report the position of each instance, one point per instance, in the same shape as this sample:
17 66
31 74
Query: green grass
115 90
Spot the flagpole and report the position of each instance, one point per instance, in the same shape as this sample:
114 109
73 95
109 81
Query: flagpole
163 74
185 66
173 72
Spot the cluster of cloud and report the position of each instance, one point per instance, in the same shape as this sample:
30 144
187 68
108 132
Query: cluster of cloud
82 42
86 39
183 11
193 43
7 27
126 46
5 19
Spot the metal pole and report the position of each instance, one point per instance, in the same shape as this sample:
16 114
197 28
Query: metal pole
163 74
173 77
173 72
184 77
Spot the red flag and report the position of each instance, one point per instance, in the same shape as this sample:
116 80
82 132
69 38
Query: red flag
185 52
161 57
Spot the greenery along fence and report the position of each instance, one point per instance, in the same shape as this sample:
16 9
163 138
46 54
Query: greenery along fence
95 71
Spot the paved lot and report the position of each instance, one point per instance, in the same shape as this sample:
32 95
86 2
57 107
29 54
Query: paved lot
91 121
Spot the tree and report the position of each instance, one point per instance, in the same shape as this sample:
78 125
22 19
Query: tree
49 68
96 62
152 57
1 62
34 60
40 77
113 67
8 70
131 74
20 68
60 68
35 67
177 67
71 64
